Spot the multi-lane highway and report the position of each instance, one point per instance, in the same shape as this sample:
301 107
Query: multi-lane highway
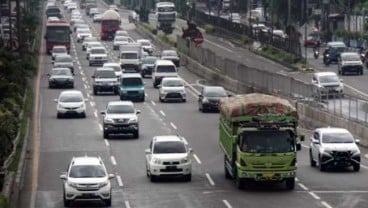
61 139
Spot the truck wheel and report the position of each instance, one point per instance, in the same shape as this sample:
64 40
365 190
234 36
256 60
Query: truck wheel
227 174
290 183
312 162
239 182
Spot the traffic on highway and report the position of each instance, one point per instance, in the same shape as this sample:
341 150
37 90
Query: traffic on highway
123 123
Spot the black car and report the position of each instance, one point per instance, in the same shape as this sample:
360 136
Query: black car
210 97
61 77
147 65
105 80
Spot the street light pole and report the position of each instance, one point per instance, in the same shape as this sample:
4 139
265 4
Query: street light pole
305 32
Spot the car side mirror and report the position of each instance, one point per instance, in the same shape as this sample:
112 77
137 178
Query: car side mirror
314 81
147 151
229 95
138 112
341 80
103 113
56 100
190 150
315 141
302 138
159 86
200 96
111 176
357 141
63 176
93 76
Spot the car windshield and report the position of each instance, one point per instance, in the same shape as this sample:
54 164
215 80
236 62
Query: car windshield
71 98
105 74
169 147
121 38
215 92
172 83
328 79
267 142
129 56
87 171
61 72
98 51
115 67
131 81
166 9
164 68
63 59
120 109
90 39
149 60
352 57
337 138
169 53
121 33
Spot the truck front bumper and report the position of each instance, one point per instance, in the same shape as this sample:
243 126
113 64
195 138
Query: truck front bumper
267 175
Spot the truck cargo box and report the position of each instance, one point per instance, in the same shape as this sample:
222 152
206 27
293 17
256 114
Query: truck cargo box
255 104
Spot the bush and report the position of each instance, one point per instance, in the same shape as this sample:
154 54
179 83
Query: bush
3 201
209 28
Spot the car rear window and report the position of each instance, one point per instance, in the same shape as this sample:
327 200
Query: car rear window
164 69
131 81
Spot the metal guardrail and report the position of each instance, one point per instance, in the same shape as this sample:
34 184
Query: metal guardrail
348 107
289 44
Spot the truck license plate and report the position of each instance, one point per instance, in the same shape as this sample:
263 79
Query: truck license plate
268 175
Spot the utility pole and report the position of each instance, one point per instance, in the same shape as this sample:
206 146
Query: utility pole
289 13
305 32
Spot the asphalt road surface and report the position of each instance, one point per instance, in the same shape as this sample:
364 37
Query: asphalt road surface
61 139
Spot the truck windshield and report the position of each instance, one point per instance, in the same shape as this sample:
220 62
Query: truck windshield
129 56
166 9
59 34
267 142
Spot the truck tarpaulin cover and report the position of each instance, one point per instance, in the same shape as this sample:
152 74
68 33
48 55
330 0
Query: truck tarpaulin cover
255 104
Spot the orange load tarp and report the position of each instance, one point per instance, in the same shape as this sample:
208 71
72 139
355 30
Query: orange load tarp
255 104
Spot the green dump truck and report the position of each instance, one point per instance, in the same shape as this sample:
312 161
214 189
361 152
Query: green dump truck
258 134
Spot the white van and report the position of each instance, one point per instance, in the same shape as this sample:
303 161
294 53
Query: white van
163 68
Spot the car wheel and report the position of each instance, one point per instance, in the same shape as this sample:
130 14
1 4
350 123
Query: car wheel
83 115
143 99
59 115
95 92
72 86
147 171
108 201
136 134
356 167
161 100
342 72
184 100
105 135
320 165
89 64
153 178
312 162
188 177
143 75
66 202
361 72
290 183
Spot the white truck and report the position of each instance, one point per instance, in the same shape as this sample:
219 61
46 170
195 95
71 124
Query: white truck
165 17
130 54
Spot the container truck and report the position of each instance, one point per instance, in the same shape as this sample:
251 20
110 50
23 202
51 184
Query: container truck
258 134
110 23
165 17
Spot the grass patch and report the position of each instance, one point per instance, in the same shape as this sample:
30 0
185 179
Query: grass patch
281 57
167 39
23 129
209 28
3 201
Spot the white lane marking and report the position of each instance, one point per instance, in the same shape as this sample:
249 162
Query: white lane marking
80 67
84 79
303 187
197 159
145 94
95 113
366 156
92 103
191 87
340 191
88 95
227 204
305 146
153 102
100 126
314 195
78 63
113 161
107 143
173 125
162 113
85 86
296 179
120 182
210 179
326 204
127 205
220 46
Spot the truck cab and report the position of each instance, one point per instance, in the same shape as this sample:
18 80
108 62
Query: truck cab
166 17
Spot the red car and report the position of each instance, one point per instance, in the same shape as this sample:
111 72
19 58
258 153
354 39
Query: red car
313 39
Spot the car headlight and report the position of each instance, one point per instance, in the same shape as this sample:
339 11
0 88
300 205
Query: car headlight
205 100
133 120
81 106
182 91
103 184
124 91
71 184
51 79
184 160
156 160
109 120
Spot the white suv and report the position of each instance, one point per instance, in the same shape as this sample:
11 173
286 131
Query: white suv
169 156
97 55
163 68
172 88
334 147
327 84
86 178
